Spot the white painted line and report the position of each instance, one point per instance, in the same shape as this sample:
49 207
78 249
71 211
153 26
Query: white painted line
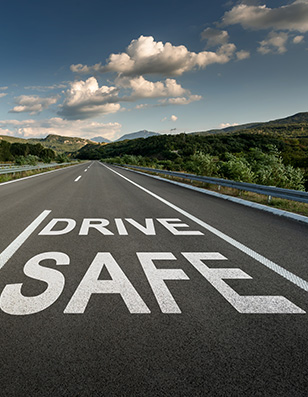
17 243
86 170
33 176
251 204
303 284
77 179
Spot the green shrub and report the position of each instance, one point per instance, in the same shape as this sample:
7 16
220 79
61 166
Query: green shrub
203 164
236 169
28 160
270 170
61 158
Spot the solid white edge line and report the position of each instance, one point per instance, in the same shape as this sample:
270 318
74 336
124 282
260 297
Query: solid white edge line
301 283
17 243
33 176
77 179
251 204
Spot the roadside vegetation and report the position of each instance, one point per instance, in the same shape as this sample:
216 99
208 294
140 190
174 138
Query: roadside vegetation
29 154
20 154
272 158
264 159
252 167
25 153
22 174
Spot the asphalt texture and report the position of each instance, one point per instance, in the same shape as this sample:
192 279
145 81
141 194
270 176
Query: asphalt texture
116 328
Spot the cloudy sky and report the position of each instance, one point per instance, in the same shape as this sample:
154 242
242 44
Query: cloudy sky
99 68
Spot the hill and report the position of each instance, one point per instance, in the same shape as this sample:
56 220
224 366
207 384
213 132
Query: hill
136 135
62 143
57 143
177 147
295 119
296 124
12 139
280 133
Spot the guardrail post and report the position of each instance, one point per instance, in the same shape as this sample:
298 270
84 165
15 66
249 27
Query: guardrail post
269 199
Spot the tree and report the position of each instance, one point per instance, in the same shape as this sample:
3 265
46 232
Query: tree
5 152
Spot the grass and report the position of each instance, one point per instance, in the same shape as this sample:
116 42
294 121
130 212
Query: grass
282 204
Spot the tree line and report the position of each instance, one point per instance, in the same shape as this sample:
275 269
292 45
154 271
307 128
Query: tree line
26 153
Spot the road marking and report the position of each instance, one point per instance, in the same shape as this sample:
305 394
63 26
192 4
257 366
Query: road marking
252 204
119 284
86 170
77 179
303 284
33 176
17 243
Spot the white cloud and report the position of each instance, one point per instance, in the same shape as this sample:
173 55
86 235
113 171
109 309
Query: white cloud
298 39
274 43
3 94
143 88
44 88
181 100
58 126
292 17
32 104
240 55
146 56
171 118
225 125
6 132
215 37
85 99
142 106
3 88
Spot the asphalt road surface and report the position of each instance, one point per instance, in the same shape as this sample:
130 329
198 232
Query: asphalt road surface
116 284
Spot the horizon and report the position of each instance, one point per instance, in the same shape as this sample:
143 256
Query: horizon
69 71
144 130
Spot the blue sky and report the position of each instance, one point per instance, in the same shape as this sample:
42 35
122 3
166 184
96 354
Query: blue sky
97 68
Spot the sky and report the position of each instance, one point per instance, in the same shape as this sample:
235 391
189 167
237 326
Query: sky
91 68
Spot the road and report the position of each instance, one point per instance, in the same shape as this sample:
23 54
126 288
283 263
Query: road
116 284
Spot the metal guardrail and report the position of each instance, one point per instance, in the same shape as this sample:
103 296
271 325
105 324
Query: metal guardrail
270 191
22 168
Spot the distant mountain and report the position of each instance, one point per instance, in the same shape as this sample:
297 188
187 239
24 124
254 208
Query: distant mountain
100 139
296 120
139 134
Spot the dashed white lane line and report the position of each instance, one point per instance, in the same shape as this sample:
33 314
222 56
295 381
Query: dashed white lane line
36 175
77 179
13 247
303 284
